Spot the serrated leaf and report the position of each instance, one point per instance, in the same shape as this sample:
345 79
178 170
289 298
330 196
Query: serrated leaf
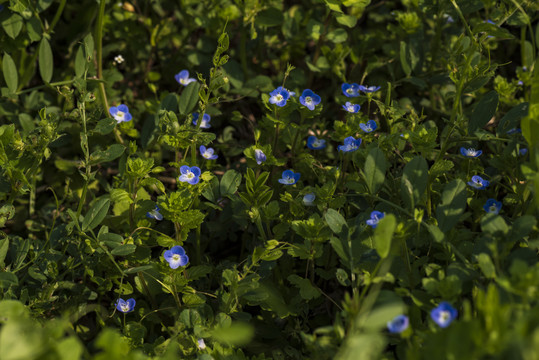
46 65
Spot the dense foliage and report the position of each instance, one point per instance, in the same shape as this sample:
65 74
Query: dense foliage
264 179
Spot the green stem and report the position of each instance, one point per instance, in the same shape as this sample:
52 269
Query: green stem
57 15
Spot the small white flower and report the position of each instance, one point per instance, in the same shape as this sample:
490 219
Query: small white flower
201 344
119 59
308 199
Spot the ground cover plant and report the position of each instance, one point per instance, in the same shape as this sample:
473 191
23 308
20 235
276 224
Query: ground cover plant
269 179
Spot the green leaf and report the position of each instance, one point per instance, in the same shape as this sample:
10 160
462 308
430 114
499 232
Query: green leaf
237 334
452 206
105 126
306 290
494 225
404 59
375 170
334 5
346 20
189 98
80 63
10 73
45 61
335 221
124 250
383 235
230 182
512 118
4 246
101 156
13 25
483 111
169 103
414 181
270 17
96 214
8 279
486 265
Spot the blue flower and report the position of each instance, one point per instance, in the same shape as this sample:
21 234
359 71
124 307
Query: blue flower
155 214
207 153
443 314
183 78
471 152
369 89
492 206
478 182
125 306
350 144
308 199
353 108
370 126
309 99
523 151
176 257
120 113
376 216
260 157
279 96
514 131
350 90
314 143
205 124
398 324
289 177
190 175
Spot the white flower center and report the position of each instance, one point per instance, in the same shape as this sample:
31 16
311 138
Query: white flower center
184 81
120 115
493 208
189 175
125 307
350 108
175 257
317 143
279 97
289 180
349 91
308 100
444 316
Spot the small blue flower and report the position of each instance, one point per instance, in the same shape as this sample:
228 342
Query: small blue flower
369 89
309 99
176 257
279 96
308 199
260 157
190 175
207 153
443 314
314 143
205 124
514 131
350 144
448 19
120 113
201 344
492 206
350 90
471 152
523 151
398 324
370 126
125 306
155 214
520 83
376 216
183 78
478 182
353 108
289 177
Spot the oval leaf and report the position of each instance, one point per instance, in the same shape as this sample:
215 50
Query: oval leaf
189 98
96 214
383 235
375 170
45 60
10 73
483 111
